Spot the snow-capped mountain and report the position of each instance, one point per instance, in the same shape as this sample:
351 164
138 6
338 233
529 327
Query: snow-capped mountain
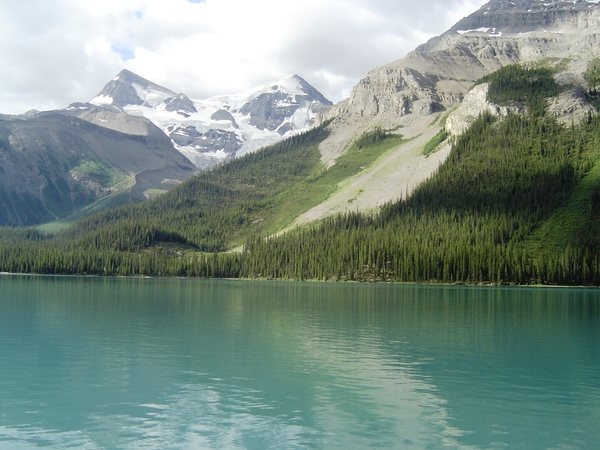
219 128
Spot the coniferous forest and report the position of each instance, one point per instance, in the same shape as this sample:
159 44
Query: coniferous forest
516 202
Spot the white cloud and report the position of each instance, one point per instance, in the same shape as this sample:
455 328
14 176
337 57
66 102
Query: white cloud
55 52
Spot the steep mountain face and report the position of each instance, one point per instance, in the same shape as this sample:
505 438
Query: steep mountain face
129 89
54 164
437 75
411 94
219 128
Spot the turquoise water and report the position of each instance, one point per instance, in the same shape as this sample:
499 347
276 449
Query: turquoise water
200 364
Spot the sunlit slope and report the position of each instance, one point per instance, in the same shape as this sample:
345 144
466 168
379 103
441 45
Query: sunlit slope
393 175
264 192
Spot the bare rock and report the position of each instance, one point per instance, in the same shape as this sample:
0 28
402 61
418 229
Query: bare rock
474 104
570 107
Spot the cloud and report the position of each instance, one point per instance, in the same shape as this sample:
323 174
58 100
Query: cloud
55 52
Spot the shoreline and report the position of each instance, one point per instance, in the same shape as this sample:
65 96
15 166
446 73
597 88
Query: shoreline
412 283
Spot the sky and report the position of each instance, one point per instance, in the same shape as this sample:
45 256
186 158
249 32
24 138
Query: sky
56 52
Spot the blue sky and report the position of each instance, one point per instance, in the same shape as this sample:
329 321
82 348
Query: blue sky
55 52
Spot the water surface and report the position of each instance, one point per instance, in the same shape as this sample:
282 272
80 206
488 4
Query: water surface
149 363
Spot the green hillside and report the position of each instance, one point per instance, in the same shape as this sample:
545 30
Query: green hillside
517 201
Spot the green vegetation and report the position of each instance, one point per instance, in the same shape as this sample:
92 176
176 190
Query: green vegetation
120 197
516 85
101 174
216 209
434 142
592 76
516 202
551 62
371 138
469 223
322 183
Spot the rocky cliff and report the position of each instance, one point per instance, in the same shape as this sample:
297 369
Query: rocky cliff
437 75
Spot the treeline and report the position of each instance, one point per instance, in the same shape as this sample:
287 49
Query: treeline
494 212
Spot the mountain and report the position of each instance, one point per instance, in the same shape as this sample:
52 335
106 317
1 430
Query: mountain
220 128
128 88
415 94
133 141
437 75
512 197
54 164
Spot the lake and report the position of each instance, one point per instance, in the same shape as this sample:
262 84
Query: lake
103 363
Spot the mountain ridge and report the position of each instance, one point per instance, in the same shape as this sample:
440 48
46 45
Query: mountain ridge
219 128
412 93
137 112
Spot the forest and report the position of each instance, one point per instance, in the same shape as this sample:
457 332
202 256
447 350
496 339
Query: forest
516 202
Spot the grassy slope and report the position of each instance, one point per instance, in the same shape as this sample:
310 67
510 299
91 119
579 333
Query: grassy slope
257 194
322 183
120 197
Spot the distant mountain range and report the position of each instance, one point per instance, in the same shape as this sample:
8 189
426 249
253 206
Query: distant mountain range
134 140
211 131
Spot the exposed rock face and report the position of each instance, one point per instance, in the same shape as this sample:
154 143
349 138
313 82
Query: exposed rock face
210 131
437 75
181 104
283 107
223 114
521 16
474 104
127 88
570 107
269 110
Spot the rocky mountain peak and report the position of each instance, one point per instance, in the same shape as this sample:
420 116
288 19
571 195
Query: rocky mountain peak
275 106
310 91
213 130
128 88
438 74
523 15
180 104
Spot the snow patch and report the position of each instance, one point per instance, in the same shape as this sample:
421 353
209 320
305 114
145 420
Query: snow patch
248 135
477 30
150 96
102 100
